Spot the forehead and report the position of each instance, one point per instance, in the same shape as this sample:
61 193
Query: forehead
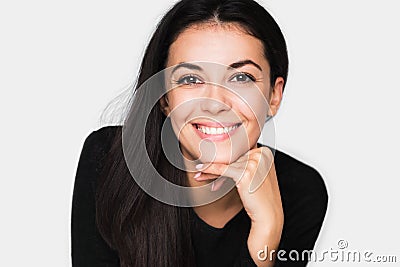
219 43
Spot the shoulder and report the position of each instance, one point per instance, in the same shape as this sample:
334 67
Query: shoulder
300 184
304 196
103 136
99 142
297 174
94 151
95 148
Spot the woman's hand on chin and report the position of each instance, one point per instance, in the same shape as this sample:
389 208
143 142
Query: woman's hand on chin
256 182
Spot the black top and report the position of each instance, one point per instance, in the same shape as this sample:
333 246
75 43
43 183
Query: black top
304 199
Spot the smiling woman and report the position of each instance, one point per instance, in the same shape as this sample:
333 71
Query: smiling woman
223 65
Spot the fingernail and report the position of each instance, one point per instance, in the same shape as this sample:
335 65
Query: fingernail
199 166
197 175
216 186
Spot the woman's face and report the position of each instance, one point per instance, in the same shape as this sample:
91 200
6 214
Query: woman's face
219 92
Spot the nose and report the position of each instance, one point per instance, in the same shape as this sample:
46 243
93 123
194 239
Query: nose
215 99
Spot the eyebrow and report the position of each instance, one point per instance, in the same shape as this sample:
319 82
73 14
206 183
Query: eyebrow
243 63
186 65
233 65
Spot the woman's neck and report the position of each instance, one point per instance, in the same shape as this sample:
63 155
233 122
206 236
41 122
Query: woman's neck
219 212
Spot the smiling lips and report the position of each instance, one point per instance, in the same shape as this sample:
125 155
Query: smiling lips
214 132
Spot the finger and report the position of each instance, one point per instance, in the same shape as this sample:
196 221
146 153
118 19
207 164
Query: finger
251 154
265 165
259 155
245 156
217 184
232 171
205 176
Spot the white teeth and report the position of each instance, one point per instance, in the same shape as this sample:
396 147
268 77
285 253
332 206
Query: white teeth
213 130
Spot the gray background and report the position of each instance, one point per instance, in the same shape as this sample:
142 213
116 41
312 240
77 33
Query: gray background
61 62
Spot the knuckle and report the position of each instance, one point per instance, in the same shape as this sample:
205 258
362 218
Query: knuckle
246 174
267 152
257 155
252 164
218 168
214 167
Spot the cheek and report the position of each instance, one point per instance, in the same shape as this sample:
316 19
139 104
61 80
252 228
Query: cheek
253 106
181 107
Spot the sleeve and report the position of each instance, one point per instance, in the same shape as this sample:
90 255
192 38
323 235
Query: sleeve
303 220
88 247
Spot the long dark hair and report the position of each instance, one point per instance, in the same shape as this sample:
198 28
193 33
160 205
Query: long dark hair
144 231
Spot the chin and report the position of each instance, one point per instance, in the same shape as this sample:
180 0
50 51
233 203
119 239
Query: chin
225 157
